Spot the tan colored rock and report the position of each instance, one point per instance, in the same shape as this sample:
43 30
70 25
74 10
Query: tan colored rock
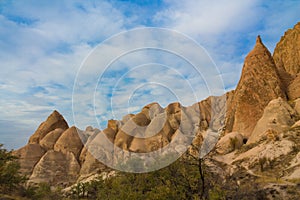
287 51
126 118
297 124
268 150
54 121
110 134
113 124
152 110
213 111
29 156
69 141
278 115
56 168
259 84
297 106
91 165
173 112
50 139
141 119
138 145
229 143
89 129
134 127
123 140
293 90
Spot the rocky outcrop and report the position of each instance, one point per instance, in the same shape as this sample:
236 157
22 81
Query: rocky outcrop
50 139
255 112
287 51
229 143
54 121
56 168
91 165
69 141
293 90
29 155
297 106
259 84
278 116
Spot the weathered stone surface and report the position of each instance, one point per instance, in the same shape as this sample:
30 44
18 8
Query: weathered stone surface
50 139
123 138
297 106
69 141
152 110
293 90
29 155
287 51
173 112
54 121
229 142
141 119
91 165
110 134
113 124
278 116
297 124
126 118
56 168
259 84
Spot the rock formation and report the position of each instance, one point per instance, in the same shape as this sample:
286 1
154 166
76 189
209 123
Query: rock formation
54 121
278 116
258 123
287 51
29 155
259 84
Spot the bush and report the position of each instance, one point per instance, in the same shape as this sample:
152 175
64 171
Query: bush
10 177
262 161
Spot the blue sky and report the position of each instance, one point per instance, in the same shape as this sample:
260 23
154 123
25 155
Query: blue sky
43 44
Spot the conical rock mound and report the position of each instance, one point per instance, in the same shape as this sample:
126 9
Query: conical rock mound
54 121
259 84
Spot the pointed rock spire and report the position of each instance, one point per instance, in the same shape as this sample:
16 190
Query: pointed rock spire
259 84
258 40
54 121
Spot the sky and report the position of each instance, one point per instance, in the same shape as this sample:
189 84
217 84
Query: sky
44 44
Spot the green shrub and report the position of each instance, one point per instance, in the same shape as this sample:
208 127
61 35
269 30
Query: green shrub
10 177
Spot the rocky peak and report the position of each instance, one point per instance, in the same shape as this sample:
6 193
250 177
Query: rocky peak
287 51
54 121
258 85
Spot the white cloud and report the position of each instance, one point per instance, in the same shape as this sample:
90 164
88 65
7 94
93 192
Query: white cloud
208 18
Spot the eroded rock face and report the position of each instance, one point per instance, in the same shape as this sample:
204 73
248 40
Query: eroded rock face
91 165
229 142
287 51
259 84
56 168
297 106
69 141
293 90
152 110
29 155
54 121
50 139
278 116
